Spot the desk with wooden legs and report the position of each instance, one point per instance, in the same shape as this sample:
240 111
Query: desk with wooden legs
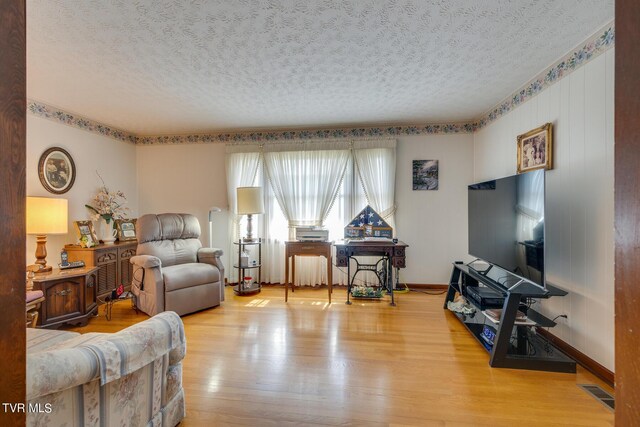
295 248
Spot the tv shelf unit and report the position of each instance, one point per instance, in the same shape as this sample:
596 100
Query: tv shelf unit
515 345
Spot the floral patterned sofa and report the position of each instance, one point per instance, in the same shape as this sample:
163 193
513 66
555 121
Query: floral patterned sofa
129 378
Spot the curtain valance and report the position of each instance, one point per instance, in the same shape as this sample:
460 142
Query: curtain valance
311 145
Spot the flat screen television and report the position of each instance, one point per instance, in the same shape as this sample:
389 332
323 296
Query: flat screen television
506 225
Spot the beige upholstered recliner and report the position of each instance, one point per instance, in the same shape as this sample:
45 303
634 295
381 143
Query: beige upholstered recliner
171 269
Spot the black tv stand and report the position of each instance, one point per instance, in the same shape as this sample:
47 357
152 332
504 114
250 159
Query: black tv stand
516 344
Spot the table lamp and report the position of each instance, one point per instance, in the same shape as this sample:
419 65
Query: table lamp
45 216
250 202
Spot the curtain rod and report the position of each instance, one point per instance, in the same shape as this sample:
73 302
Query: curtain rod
345 141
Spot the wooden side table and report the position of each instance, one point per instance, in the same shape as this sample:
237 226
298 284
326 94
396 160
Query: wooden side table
70 296
295 248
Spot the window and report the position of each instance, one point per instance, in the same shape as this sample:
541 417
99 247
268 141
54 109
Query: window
306 181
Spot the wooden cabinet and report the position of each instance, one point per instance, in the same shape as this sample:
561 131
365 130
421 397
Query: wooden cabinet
112 261
69 296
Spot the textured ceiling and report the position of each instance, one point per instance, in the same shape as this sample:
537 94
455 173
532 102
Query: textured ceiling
176 66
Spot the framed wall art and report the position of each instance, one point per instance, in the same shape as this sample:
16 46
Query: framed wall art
535 149
126 229
86 234
56 170
425 175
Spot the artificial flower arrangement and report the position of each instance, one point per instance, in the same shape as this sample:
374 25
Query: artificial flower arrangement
108 205
364 291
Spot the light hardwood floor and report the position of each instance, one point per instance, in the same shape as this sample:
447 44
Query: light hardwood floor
258 361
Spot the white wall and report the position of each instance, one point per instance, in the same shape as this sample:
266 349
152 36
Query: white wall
433 223
191 178
185 179
114 160
579 196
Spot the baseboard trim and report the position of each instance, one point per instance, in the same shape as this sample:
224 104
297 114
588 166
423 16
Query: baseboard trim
432 286
436 286
585 361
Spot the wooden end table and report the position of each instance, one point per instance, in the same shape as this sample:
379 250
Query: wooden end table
69 296
295 248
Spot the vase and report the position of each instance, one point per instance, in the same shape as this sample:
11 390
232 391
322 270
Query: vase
107 232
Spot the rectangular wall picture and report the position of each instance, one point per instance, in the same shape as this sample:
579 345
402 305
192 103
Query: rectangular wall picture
425 174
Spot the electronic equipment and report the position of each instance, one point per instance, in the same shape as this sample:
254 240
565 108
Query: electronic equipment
488 335
64 258
495 314
72 264
506 226
484 297
312 234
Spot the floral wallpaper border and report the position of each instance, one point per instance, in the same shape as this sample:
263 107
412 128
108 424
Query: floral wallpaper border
45 111
596 45
257 136
593 47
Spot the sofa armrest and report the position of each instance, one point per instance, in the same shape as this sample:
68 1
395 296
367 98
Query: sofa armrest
130 349
145 261
147 283
212 256
51 371
210 253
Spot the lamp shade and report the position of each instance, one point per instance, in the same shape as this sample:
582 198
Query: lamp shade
213 210
46 215
250 200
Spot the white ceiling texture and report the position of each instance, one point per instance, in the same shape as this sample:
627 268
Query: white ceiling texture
176 66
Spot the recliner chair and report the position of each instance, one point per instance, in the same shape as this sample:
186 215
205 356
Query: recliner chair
171 269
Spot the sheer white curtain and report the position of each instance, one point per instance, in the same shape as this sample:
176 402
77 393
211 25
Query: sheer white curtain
305 183
305 180
241 169
309 270
273 229
375 163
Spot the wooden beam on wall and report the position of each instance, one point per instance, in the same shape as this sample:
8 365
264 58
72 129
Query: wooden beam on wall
627 213
13 104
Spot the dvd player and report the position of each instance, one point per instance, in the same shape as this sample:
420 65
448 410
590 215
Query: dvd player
484 297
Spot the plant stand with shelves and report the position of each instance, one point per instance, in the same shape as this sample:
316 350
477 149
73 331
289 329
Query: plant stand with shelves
254 286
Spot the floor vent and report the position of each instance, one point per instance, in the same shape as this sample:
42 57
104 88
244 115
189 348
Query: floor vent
596 391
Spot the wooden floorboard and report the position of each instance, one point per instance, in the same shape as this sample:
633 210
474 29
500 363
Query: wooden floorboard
258 361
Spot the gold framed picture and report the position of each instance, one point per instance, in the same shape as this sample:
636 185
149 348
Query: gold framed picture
535 149
86 234
126 229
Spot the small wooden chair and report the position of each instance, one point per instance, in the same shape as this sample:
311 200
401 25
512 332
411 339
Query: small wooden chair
34 298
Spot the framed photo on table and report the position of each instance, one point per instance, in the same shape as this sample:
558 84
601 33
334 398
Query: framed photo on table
86 234
535 149
126 229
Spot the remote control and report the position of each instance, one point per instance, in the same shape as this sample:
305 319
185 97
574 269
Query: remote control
72 264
